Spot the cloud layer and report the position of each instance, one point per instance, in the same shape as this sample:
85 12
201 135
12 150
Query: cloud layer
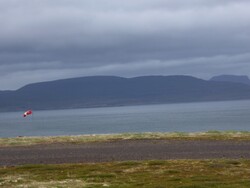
46 40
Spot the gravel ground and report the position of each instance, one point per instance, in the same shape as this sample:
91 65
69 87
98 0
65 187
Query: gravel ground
123 150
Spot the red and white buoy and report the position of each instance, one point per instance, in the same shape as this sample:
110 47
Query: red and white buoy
29 112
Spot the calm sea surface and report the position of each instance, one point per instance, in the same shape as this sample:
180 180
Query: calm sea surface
188 117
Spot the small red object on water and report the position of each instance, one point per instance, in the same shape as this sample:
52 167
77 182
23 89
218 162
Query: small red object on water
29 112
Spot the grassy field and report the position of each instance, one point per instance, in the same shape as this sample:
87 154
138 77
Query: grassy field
213 135
148 174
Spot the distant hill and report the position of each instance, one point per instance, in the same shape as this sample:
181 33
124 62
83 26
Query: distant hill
97 91
232 78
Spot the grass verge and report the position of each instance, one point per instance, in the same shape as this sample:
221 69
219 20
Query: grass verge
210 135
148 174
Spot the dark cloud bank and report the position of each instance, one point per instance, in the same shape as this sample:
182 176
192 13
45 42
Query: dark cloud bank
46 40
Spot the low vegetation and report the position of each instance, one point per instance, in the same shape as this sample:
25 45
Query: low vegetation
217 173
213 135
147 174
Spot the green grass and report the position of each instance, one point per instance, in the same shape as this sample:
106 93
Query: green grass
214 135
148 174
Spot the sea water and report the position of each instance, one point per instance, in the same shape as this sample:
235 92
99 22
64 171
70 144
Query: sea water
181 117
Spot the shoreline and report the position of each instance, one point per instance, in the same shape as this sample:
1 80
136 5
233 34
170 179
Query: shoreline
88 138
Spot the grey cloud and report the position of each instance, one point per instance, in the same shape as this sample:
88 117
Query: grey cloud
203 67
65 38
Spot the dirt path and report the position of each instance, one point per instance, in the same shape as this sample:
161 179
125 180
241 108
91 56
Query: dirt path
123 150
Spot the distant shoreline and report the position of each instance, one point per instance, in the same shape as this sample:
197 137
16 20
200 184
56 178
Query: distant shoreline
123 105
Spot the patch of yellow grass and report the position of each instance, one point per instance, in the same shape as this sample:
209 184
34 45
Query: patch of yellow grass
214 135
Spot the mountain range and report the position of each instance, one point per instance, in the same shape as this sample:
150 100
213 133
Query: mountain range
99 91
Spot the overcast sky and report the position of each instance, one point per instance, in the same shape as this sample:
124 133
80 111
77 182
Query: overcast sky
43 40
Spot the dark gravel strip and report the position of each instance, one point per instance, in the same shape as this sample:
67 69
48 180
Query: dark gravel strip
123 150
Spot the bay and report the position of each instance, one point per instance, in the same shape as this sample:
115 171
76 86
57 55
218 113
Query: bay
181 117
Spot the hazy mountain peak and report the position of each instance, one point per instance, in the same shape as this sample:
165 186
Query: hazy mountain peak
232 78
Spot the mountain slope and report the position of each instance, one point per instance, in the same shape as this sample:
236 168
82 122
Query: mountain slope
232 78
114 91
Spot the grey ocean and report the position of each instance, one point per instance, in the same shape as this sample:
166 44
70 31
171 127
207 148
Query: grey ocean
185 117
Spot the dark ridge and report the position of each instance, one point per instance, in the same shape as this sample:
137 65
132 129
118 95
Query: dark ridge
99 91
